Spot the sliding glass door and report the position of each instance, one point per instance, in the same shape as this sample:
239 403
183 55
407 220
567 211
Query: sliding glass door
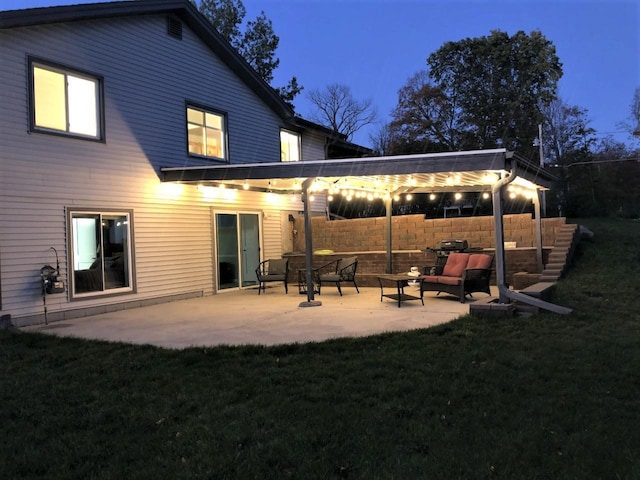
238 249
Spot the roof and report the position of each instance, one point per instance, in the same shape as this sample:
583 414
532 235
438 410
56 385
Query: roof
182 9
473 170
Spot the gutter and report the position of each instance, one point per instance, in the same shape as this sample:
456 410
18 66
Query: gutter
505 294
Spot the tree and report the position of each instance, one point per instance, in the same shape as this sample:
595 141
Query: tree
498 83
425 119
565 131
337 109
567 140
381 140
226 16
257 44
635 113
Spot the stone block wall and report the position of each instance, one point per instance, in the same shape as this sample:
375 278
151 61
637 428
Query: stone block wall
414 232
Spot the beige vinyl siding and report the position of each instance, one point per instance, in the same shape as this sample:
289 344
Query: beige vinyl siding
147 77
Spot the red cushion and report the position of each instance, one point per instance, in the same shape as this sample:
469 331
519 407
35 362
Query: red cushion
449 280
429 278
479 260
456 263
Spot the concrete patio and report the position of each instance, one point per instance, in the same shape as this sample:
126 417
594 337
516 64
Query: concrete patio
243 317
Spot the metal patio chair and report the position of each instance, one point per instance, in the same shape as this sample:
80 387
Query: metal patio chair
338 271
273 270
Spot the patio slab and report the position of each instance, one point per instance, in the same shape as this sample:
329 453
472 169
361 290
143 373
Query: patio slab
244 318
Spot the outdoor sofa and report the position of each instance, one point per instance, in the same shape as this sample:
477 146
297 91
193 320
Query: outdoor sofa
462 274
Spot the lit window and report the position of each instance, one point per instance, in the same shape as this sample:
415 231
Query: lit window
100 251
64 101
289 146
205 132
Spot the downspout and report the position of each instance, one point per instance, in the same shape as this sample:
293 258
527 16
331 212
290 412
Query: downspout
496 191
505 294
538 214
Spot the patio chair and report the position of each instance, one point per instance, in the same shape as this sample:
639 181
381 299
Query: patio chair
338 271
273 270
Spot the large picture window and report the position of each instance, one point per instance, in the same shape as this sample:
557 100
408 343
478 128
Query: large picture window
65 101
100 247
289 146
206 133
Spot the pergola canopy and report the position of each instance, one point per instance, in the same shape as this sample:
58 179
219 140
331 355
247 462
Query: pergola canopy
474 170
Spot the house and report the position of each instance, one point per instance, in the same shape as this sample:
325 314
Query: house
96 100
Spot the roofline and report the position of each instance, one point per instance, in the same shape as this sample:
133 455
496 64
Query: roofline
495 159
340 139
183 9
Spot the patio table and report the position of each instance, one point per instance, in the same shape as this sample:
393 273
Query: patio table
401 280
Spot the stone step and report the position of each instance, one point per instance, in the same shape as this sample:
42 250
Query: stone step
540 290
490 306
549 278
555 266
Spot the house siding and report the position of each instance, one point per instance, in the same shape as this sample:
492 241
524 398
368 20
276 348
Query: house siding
313 147
148 76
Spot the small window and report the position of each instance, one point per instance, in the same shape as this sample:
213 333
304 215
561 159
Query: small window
65 101
100 251
289 146
206 133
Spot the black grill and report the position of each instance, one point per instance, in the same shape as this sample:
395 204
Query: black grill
445 247
453 245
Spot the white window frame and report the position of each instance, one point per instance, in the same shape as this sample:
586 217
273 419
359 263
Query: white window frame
102 263
290 146
222 118
75 120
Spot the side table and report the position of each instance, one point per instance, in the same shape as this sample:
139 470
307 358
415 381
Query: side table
401 280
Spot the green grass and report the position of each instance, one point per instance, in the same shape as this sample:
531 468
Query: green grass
541 397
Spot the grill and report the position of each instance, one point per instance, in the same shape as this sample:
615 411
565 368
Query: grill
445 247
453 245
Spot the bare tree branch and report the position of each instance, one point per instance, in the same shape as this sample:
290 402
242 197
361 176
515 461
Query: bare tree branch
337 109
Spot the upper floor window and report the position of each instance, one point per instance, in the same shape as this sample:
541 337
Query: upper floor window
206 133
289 146
65 101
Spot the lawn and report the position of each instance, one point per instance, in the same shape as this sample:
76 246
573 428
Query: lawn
540 397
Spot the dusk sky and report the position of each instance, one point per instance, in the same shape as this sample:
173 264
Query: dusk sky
374 46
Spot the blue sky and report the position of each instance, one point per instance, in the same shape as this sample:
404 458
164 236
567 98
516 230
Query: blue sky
374 46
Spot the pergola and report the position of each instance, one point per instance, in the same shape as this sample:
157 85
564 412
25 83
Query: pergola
497 171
